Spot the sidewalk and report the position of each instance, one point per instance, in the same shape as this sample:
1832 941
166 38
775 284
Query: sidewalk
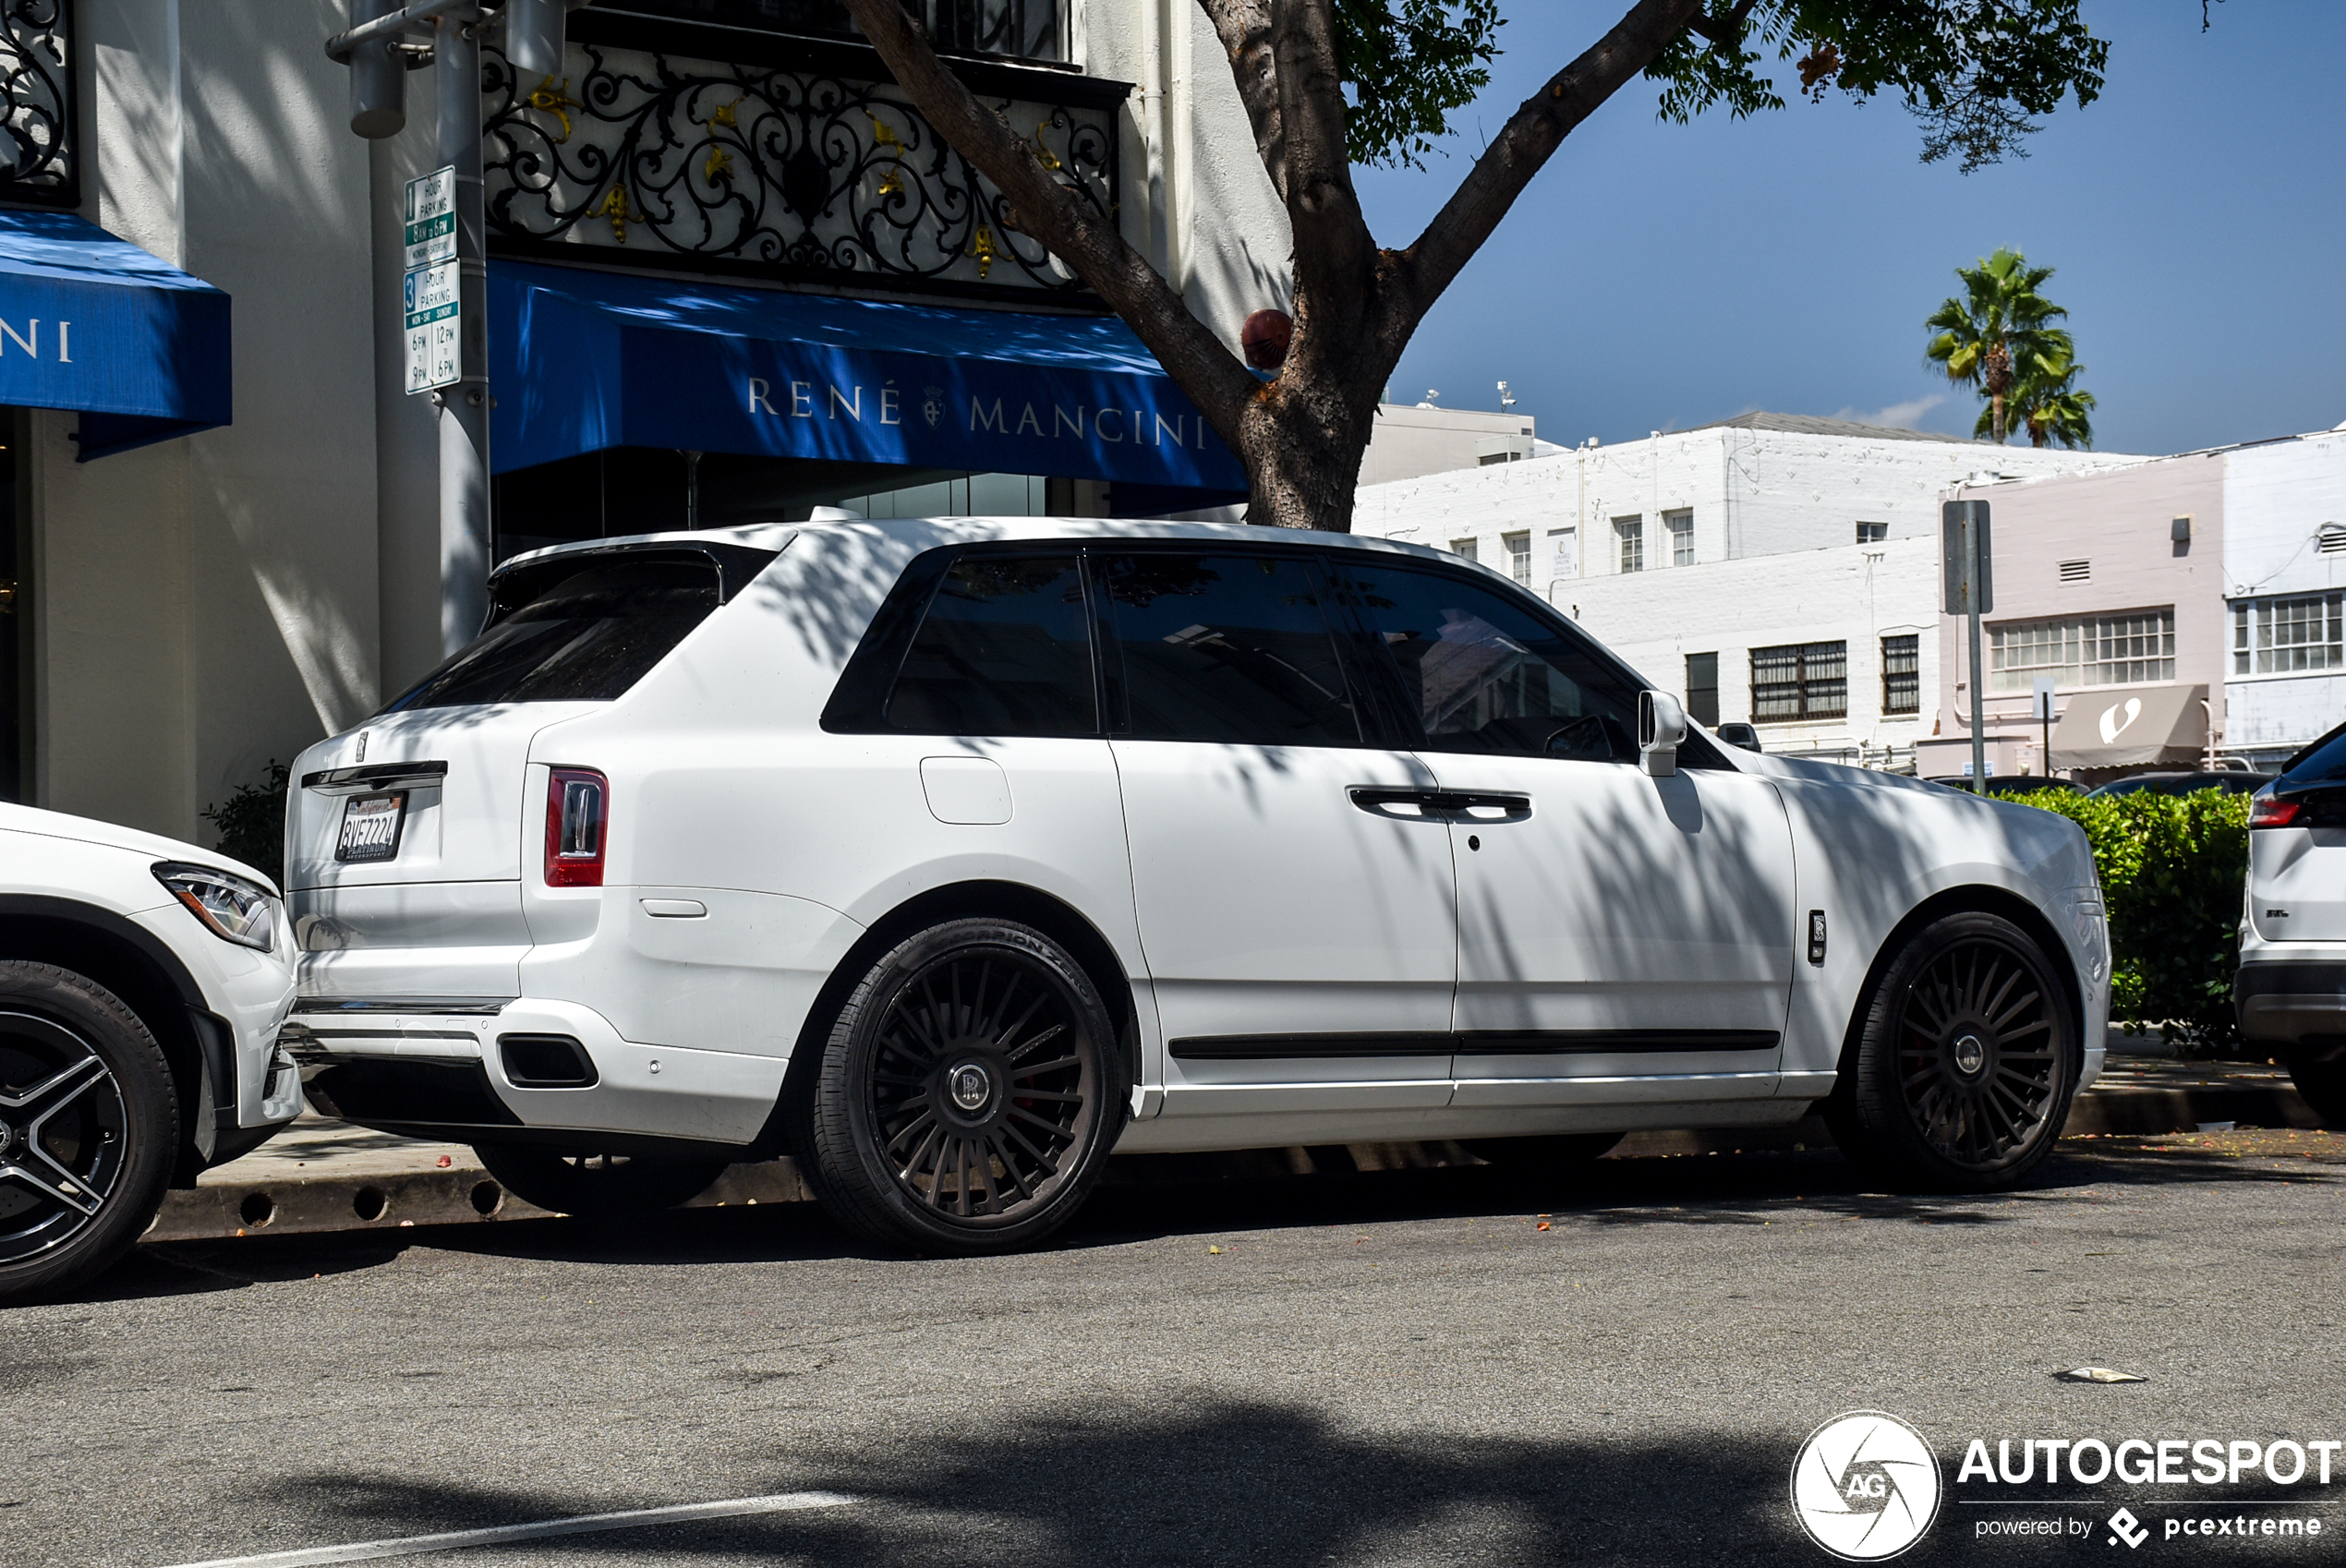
328 1176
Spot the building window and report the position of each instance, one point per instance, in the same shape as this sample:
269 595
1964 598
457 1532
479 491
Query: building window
1631 532
2091 650
1702 688
1902 674
1518 549
1465 547
1872 533
2283 636
1681 526
1800 680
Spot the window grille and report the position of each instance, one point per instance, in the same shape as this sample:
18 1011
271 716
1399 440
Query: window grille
2076 571
1681 526
1518 547
1872 533
1800 680
1902 674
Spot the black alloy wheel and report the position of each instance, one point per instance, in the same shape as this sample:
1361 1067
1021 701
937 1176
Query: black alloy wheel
89 1128
590 1184
1968 1063
969 1093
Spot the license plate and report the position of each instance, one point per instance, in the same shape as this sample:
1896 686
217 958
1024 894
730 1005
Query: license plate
371 828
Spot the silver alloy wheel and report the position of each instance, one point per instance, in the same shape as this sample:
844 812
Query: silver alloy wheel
61 1153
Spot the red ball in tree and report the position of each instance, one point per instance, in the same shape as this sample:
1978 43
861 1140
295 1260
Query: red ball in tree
1265 337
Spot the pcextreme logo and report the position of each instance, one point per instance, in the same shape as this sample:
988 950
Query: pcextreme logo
1865 1486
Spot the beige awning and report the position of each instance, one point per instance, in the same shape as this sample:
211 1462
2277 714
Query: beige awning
2132 726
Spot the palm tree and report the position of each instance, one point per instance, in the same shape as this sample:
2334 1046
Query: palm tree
2052 406
1998 332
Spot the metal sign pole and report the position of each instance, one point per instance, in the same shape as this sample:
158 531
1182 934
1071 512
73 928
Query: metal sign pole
1978 707
464 406
1965 565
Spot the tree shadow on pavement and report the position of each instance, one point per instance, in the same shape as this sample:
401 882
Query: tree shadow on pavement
1262 1484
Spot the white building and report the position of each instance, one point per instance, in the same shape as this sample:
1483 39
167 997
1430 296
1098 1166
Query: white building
1409 441
2284 569
1775 569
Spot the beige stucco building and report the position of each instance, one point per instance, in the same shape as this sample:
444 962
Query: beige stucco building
2110 585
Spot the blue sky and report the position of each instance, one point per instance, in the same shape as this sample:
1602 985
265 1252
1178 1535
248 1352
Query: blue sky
1659 276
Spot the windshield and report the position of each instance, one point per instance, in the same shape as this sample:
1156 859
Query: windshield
587 638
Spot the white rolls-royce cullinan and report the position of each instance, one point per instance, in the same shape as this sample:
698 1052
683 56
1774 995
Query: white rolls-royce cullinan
946 856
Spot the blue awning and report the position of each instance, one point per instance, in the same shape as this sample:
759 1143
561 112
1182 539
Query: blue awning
92 322
582 360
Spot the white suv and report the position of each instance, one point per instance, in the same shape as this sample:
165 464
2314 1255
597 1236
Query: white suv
142 985
2291 986
946 855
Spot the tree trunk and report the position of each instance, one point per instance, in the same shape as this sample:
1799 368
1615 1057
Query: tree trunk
1301 471
1999 382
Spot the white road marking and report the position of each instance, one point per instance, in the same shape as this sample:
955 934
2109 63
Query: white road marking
580 1525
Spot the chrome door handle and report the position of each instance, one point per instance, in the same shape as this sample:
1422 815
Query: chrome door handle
1409 805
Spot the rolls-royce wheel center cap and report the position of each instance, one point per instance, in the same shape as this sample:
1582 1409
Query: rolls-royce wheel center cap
969 1087
1970 1056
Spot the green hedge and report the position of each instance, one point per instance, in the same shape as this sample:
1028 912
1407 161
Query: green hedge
2173 868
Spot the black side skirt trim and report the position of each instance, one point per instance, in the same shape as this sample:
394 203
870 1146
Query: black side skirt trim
1607 1041
1257 1047
1471 1042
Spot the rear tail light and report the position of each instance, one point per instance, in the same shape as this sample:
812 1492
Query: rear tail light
577 817
2271 811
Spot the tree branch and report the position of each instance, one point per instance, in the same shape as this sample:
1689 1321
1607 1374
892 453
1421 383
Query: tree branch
1722 31
1075 231
1244 28
1334 250
1523 147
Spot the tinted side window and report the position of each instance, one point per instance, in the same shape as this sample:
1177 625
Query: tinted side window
588 637
1230 647
1484 674
1005 649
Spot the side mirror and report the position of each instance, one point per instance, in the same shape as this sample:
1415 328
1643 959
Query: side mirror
1742 735
1662 727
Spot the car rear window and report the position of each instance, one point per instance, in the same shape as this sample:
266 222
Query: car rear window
1005 649
2324 762
588 637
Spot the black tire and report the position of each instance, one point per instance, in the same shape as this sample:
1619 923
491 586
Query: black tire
2323 1084
969 1093
88 1129
1967 1058
590 1184
1554 1154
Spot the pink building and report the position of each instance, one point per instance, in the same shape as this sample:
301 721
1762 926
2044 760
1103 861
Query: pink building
2112 585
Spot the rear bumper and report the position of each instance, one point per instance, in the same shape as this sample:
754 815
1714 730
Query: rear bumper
435 1071
2297 1006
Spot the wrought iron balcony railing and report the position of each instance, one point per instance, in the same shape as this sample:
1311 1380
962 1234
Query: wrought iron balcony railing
40 163
723 150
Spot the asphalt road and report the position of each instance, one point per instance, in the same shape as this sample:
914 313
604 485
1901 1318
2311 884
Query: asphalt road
1396 1369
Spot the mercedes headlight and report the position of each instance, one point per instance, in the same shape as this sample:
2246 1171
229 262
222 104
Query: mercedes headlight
231 908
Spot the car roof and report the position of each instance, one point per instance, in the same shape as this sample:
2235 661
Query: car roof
981 530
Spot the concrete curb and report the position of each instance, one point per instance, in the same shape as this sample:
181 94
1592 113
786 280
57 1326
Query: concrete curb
316 1200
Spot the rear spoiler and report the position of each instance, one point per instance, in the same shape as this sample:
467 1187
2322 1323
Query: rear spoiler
522 579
